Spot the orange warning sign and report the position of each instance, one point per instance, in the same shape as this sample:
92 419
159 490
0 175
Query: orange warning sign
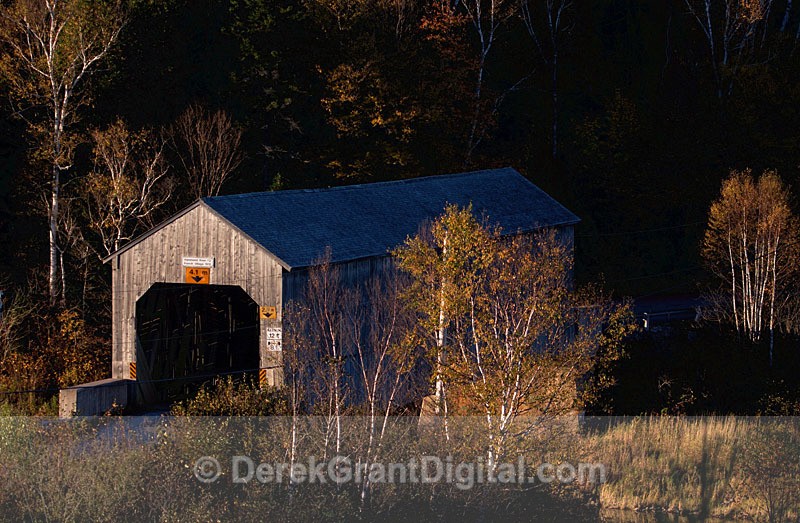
268 313
197 275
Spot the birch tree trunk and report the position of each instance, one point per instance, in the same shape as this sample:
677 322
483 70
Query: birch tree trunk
52 46
751 245
731 28
487 17
555 24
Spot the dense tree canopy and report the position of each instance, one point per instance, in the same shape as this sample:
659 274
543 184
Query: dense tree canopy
329 92
630 112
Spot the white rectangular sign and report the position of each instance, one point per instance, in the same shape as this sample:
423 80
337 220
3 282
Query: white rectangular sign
205 263
274 339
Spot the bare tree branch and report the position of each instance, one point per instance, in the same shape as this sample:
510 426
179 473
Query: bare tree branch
208 146
50 47
129 184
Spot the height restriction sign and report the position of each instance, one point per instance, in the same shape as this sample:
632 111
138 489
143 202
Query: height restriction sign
268 313
199 276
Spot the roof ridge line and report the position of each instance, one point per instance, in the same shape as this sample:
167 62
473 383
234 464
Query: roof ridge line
360 185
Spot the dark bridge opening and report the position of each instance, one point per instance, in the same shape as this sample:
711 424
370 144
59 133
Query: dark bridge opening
187 334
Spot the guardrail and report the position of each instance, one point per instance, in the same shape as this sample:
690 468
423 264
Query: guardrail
650 318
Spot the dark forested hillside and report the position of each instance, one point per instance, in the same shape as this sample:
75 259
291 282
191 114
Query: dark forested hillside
630 112
332 92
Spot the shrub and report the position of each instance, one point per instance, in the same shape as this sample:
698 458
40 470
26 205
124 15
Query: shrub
229 397
45 349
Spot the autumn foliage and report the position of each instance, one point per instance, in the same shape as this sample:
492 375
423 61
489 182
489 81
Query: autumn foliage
507 332
751 245
63 350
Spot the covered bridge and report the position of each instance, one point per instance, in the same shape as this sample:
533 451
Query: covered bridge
203 293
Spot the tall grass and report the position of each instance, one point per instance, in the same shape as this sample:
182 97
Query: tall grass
709 466
109 469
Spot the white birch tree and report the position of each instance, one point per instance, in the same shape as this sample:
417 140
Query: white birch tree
556 23
380 328
128 186
487 18
518 336
50 48
443 262
733 30
750 244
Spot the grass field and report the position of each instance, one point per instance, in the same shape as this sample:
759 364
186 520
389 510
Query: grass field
722 467
110 468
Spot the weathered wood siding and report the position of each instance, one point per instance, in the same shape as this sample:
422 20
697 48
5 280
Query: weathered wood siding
351 274
158 259
358 272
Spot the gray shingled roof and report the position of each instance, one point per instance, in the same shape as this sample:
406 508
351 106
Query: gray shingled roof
360 221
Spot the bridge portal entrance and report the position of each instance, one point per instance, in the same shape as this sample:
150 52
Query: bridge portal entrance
188 334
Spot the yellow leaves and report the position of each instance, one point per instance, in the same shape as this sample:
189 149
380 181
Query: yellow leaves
71 326
373 116
344 85
363 103
64 351
445 26
47 68
514 328
751 11
106 188
746 208
360 101
751 245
